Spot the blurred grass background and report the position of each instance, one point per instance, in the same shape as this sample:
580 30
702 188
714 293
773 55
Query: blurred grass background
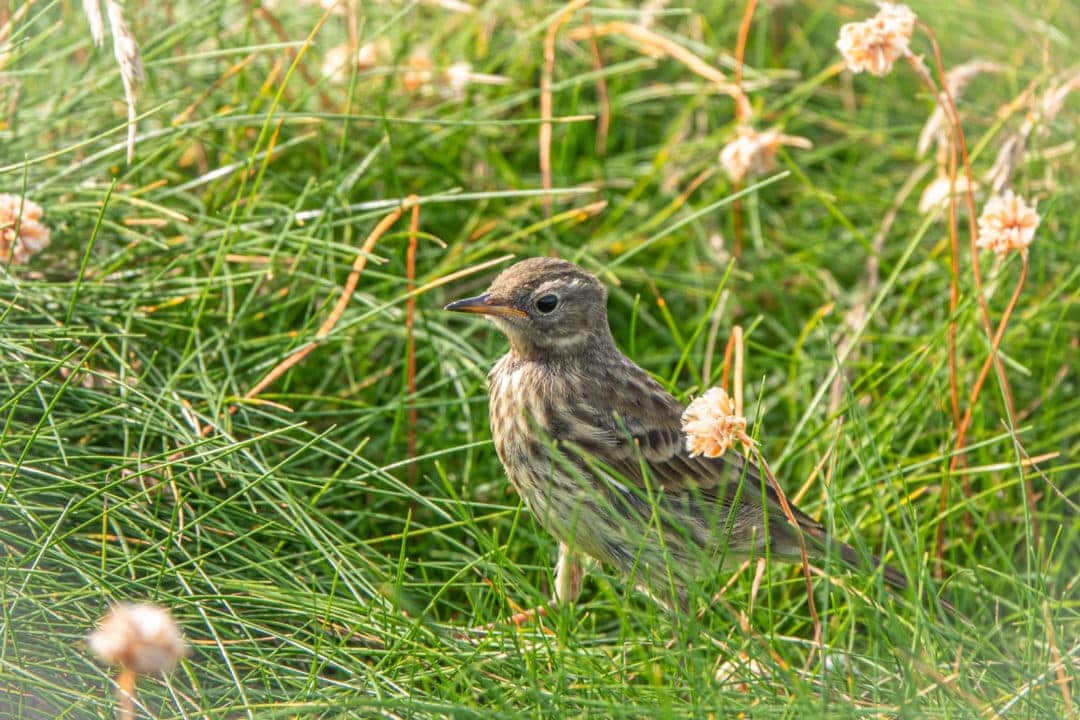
317 569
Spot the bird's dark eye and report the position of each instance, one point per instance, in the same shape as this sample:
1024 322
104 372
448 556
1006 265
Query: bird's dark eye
547 303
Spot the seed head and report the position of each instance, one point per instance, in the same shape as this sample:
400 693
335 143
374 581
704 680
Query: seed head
711 425
1007 223
143 638
936 194
22 233
875 44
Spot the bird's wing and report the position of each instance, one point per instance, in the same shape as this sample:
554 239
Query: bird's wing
636 428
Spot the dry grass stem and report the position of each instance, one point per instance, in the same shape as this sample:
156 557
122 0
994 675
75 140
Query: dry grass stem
649 11
786 508
984 371
740 51
653 44
545 95
342 302
604 123
959 144
410 338
125 694
710 342
737 382
1055 655
737 165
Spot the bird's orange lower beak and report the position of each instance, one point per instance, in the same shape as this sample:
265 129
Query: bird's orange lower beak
485 305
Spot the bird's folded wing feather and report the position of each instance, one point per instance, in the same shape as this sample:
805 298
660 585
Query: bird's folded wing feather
644 433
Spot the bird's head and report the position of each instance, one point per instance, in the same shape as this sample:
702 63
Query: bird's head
545 306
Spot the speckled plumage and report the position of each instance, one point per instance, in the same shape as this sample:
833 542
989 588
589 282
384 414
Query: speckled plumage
594 445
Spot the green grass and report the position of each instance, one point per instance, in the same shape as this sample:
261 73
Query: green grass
313 574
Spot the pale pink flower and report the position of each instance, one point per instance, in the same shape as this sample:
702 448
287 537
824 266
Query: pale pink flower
142 638
1007 223
754 153
875 44
22 234
711 425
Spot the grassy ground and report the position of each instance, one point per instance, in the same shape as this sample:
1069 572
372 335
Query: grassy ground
317 569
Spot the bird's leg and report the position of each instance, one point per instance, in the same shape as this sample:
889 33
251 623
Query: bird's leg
568 576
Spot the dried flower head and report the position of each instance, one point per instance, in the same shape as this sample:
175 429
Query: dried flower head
143 638
1007 223
22 233
711 425
936 194
754 153
875 44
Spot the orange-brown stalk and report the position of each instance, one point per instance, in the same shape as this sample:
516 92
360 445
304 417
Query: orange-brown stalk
604 122
410 340
545 96
959 140
740 54
342 302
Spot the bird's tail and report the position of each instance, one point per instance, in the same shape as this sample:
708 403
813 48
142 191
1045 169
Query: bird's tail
892 575
853 559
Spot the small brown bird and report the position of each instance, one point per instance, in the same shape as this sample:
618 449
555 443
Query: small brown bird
595 448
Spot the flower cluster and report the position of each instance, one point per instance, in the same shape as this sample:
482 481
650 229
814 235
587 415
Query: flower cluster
711 424
875 44
142 638
1007 223
753 153
22 233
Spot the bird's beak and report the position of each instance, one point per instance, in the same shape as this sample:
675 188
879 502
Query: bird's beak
485 305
